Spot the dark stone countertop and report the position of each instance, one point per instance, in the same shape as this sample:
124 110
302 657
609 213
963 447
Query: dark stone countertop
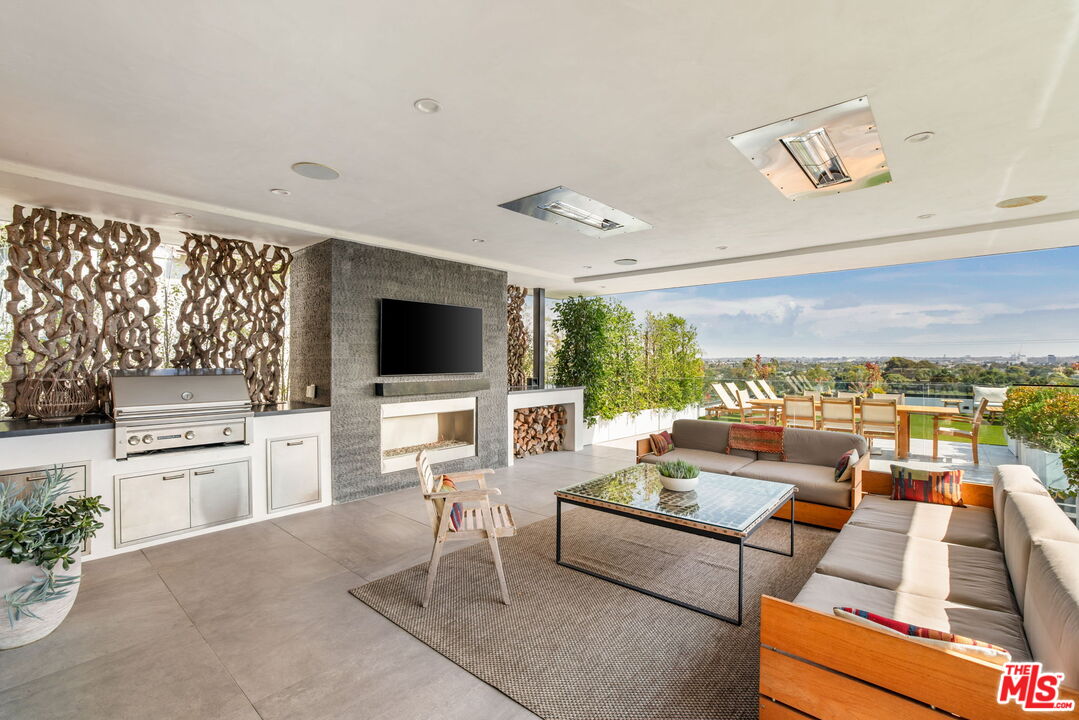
11 428
287 408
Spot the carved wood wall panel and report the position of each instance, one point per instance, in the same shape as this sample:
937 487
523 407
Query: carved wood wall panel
517 340
82 300
234 311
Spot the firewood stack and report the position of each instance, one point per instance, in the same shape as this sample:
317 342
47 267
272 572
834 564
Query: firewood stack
538 430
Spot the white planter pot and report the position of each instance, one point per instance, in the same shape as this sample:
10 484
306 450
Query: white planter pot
51 614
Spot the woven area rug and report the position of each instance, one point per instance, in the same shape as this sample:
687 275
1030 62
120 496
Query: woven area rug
573 647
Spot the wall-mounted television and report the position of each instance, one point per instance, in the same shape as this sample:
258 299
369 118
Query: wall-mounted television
417 338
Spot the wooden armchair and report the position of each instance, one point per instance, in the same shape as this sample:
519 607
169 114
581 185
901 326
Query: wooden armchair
975 422
481 521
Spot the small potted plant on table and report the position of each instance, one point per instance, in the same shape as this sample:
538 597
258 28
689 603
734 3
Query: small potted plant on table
678 475
41 539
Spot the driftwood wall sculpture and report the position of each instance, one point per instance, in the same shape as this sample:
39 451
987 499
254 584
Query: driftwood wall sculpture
234 311
82 300
517 340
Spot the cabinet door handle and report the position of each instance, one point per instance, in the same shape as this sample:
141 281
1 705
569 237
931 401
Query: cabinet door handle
172 477
290 443
211 471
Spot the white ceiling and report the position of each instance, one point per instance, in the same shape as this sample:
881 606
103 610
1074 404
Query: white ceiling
136 110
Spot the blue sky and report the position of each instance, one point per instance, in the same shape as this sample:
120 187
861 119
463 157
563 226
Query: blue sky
1018 303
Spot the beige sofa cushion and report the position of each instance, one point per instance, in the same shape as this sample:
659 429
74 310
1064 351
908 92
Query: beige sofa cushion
973 526
824 592
816 484
818 447
945 571
1052 607
705 435
1028 518
704 459
1013 479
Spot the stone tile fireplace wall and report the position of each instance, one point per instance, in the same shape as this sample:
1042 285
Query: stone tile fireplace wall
335 288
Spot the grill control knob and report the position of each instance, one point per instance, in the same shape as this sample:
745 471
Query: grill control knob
227 431
189 435
147 439
186 395
133 440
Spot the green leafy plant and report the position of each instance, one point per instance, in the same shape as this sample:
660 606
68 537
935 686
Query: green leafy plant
35 528
678 469
1047 418
625 366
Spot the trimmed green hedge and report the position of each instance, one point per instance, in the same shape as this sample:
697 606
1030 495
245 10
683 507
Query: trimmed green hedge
625 366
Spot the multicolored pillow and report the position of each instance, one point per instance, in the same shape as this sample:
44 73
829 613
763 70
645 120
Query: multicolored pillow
456 511
844 469
928 636
756 438
662 443
941 487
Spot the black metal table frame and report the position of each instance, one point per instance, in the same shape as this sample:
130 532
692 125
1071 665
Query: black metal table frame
739 540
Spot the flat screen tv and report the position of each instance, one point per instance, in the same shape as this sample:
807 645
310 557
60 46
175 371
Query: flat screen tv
417 338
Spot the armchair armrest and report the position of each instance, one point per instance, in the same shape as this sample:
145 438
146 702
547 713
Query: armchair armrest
465 474
856 480
644 447
463 495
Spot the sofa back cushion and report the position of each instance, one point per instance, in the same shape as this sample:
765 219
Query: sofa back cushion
1051 617
819 447
1009 479
705 435
1029 518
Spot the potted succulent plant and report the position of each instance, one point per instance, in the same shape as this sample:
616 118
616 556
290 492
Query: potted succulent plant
41 539
678 475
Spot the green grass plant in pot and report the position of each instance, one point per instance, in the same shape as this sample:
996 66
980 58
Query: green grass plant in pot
41 539
678 475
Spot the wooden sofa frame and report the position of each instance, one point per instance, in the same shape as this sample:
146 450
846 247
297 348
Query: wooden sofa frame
806 512
816 665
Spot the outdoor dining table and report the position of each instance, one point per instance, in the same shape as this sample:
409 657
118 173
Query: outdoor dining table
902 442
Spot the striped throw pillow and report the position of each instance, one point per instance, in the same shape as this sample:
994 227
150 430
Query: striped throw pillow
940 487
456 512
929 636
662 443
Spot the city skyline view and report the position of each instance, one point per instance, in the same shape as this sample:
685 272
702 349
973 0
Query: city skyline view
1002 305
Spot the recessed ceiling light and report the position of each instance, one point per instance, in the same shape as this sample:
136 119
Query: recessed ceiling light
427 105
625 261
721 247
926 216
315 171
182 215
919 137
280 191
1021 201
478 240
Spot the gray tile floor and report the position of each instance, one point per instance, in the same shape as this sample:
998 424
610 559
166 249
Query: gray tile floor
256 621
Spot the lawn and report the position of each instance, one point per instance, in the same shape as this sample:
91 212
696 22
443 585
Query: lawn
921 428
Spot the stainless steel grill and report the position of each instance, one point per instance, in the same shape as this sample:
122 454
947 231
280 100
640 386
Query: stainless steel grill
158 410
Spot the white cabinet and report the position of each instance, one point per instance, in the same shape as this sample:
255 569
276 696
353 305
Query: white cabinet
152 505
149 506
293 472
220 493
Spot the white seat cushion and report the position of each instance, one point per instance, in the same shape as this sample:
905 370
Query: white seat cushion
1052 607
945 571
1013 479
1027 519
824 592
973 526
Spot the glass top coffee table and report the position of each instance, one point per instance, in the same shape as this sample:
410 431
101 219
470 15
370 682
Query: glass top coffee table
723 507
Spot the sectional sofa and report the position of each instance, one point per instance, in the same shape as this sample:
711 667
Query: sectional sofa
1004 569
809 464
